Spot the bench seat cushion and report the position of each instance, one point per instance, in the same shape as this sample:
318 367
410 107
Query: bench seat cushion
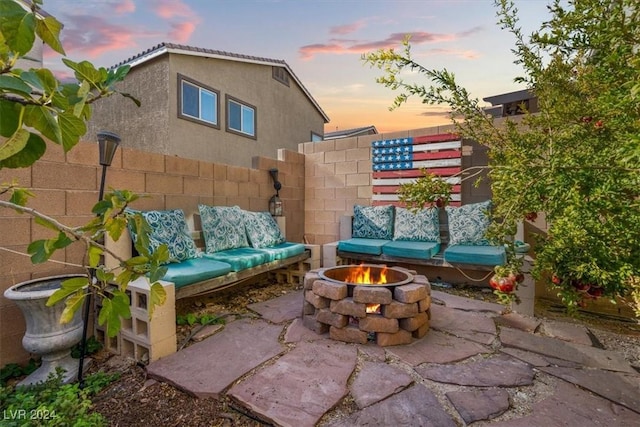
239 258
410 249
283 251
474 254
363 246
194 270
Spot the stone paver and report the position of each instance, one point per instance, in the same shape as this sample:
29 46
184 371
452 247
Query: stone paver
479 405
297 332
586 356
281 309
481 370
622 389
376 381
437 347
416 406
206 368
303 384
518 321
466 304
566 331
497 371
537 360
572 406
472 326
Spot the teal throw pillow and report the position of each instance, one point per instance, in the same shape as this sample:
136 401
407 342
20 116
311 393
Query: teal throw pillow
373 222
223 227
262 229
421 226
170 228
468 224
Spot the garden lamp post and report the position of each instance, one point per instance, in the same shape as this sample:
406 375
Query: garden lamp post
108 143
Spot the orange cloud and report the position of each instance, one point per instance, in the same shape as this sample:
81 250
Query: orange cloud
338 46
124 6
182 31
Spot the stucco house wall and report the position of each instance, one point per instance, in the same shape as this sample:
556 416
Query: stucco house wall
286 115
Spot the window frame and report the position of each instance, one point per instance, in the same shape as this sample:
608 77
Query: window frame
228 100
201 87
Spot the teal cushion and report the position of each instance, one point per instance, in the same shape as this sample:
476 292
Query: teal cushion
373 222
262 229
421 226
474 254
239 258
169 228
223 227
363 246
406 249
283 250
468 223
194 270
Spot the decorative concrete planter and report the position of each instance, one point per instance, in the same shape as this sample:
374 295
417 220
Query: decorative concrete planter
45 336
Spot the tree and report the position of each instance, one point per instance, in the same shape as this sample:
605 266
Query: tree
35 105
577 159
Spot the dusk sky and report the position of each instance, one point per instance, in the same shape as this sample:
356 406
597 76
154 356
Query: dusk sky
321 40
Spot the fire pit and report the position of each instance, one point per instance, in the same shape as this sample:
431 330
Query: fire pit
367 303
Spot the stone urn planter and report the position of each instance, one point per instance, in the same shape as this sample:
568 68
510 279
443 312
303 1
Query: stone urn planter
45 336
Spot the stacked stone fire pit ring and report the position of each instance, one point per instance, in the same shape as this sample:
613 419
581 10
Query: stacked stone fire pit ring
391 313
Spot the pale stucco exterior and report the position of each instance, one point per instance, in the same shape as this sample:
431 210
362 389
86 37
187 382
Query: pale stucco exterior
286 115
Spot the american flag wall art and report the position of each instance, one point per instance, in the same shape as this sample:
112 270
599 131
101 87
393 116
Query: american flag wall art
400 160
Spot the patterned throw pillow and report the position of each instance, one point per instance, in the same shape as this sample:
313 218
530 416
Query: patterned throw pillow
222 227
262 229
468 224
422 226
170 228
373 222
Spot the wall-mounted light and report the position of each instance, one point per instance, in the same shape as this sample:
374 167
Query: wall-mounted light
275 204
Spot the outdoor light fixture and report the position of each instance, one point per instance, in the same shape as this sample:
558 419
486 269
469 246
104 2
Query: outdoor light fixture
108 143
275 204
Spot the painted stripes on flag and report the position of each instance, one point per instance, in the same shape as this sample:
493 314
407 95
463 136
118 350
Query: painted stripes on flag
399 161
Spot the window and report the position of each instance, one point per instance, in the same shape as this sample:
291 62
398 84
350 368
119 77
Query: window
315 137
241 117
197 102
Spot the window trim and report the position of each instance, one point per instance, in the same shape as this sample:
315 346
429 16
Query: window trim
201 86
228 99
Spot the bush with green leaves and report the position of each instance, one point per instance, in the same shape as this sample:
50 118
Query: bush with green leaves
35 105
52 403
576 159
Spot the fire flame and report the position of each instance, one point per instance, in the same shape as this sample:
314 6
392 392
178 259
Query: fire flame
373 308
362 274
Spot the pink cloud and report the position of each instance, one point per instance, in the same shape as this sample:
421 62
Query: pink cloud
92 36
347 28
339 47
182 31
124 6
168 9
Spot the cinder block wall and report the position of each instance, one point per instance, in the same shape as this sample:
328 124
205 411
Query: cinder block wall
66 188
338 176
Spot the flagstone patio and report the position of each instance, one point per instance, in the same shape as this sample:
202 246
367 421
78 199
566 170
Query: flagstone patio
475 365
